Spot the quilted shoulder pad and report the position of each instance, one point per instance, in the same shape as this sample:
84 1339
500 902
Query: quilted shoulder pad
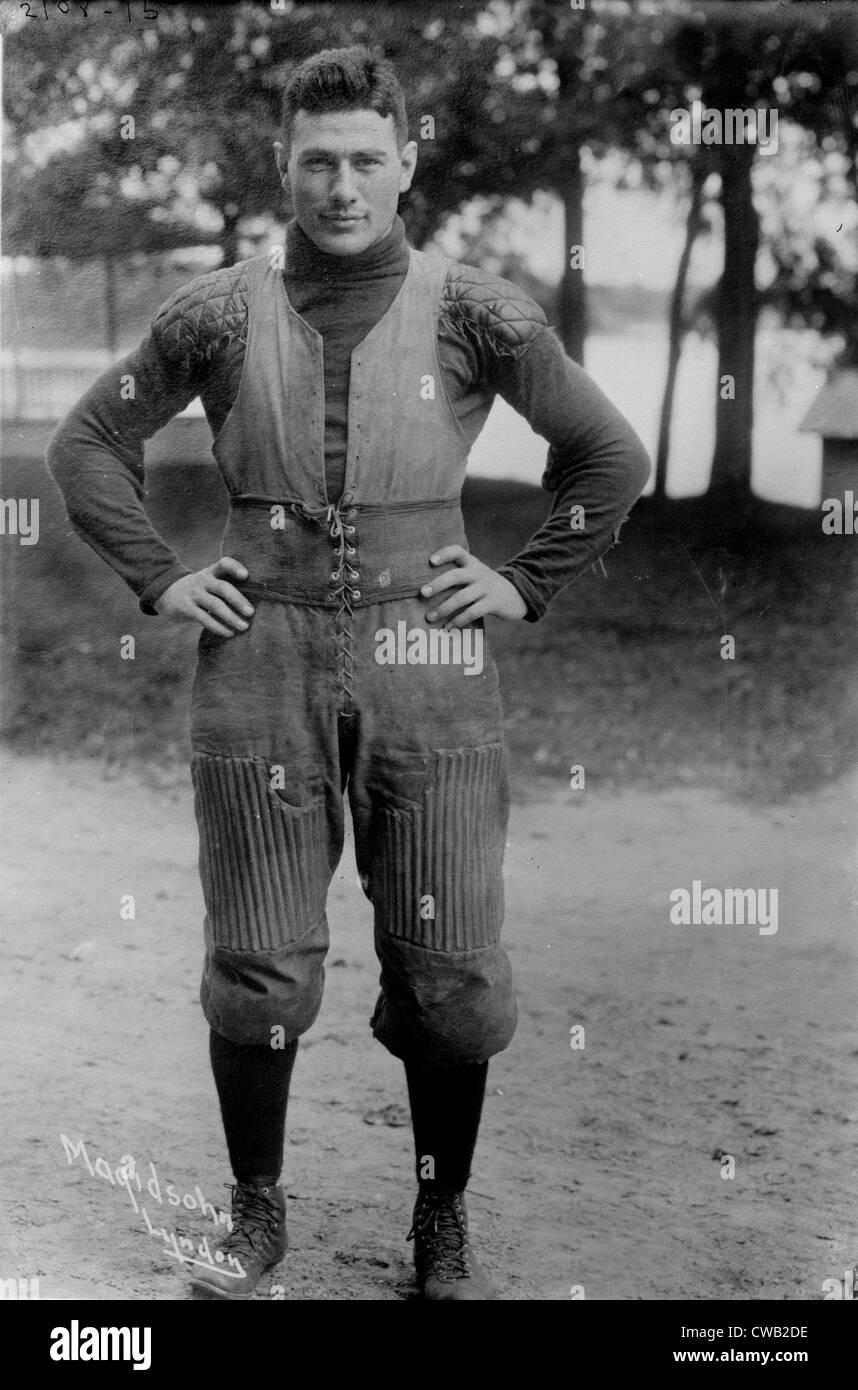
491 307
204 314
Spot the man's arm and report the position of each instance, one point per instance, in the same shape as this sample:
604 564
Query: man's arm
96 458
596 461
96 453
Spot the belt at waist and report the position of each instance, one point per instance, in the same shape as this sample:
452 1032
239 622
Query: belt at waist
343 552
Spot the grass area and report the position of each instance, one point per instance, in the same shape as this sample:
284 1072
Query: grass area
624 675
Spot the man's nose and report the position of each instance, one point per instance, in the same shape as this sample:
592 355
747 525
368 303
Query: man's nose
343 188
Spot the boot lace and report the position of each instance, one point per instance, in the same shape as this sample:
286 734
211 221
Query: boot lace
440 1231
254 1221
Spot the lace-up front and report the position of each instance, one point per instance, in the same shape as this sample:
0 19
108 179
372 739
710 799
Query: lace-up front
440 1235
256 1243
446 1266
255 1220
345 577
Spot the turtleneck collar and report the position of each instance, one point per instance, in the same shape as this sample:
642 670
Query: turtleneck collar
304 260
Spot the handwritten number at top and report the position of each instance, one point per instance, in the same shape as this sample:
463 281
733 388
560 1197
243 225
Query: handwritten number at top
64 7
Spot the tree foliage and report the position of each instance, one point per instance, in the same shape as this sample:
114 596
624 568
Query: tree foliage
516 92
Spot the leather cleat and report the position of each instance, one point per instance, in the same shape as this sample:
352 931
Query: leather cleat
447 1269
256 1243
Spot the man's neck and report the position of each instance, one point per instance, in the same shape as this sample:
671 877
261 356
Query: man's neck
305 260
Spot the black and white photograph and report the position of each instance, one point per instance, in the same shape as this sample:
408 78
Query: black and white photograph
429 750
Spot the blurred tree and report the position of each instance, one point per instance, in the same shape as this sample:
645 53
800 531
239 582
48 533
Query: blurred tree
73 207
694 222
514 91
785 59
578 79
203 87
815 279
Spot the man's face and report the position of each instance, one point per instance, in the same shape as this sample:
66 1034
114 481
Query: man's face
345 175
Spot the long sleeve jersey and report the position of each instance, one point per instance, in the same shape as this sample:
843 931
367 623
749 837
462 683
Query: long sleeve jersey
492 340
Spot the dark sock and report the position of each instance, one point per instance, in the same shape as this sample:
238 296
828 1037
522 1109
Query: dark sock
446 1104
253 1088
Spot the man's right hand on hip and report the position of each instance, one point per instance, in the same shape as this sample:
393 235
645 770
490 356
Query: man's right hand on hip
207 597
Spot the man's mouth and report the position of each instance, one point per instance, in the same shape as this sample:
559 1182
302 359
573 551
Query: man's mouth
342 219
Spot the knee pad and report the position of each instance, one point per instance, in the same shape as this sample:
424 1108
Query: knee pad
448 1007
264 997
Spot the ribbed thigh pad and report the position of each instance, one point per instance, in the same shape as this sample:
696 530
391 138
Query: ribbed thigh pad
263 858
437 866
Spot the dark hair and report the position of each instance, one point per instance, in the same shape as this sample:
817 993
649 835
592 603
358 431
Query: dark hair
345 79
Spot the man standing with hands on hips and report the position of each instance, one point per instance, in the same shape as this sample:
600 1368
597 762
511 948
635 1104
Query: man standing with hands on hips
345 384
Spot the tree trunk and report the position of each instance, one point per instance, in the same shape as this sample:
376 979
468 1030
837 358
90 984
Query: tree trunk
693 224
730 483
229 238
563 36
18 376
572 297
111 313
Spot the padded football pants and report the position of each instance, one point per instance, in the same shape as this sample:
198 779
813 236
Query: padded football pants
286 718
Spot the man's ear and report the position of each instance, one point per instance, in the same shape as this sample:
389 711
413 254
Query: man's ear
282 159
408 163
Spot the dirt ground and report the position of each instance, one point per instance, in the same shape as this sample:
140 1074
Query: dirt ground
597 1167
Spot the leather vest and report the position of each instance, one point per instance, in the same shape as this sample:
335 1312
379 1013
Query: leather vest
405 463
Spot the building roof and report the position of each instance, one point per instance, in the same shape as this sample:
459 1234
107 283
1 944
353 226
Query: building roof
834 413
